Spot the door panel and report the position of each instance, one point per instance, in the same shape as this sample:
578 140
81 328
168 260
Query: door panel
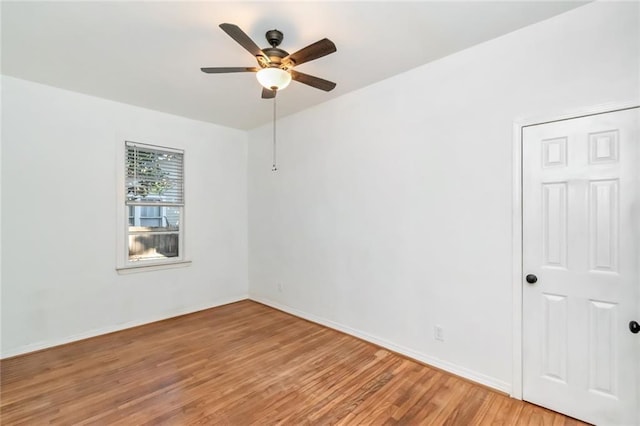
603 225
581 209
554 224
554 343
603 374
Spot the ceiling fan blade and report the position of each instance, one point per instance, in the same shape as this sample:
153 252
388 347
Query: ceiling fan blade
220 70
313 51
243 40
268 94
312 81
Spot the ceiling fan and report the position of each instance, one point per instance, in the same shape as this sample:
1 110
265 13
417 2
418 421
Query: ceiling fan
275 66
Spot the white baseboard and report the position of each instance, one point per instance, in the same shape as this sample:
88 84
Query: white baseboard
430 360
32 347
435 362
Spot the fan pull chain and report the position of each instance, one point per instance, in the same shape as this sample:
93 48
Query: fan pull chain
274 168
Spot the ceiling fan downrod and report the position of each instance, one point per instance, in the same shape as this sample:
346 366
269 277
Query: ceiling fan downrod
274 168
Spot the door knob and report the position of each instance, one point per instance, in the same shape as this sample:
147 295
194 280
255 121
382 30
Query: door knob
634 327
531 279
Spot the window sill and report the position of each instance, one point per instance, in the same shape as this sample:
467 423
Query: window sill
134 269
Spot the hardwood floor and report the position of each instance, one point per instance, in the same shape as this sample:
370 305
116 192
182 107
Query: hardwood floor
243 364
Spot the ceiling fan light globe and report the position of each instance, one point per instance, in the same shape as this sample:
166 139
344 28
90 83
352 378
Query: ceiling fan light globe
271 78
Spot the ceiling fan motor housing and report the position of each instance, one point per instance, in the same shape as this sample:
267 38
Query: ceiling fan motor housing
275 55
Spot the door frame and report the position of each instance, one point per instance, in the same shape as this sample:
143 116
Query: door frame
517 227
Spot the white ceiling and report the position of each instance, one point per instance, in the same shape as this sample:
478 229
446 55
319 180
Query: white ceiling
150 53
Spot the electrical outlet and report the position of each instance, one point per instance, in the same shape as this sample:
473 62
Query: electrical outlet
279 287
438 333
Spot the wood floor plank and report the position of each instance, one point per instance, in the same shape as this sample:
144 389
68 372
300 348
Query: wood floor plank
243 364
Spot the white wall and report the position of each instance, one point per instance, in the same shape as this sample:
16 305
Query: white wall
391 211
59 205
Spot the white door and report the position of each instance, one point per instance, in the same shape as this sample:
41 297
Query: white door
581 240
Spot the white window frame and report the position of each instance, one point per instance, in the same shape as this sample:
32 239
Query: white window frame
123 264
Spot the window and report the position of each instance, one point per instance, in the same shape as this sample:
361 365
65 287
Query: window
154 204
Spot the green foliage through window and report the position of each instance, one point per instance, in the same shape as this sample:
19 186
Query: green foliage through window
153 175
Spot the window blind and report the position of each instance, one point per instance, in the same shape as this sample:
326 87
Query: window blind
154 175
